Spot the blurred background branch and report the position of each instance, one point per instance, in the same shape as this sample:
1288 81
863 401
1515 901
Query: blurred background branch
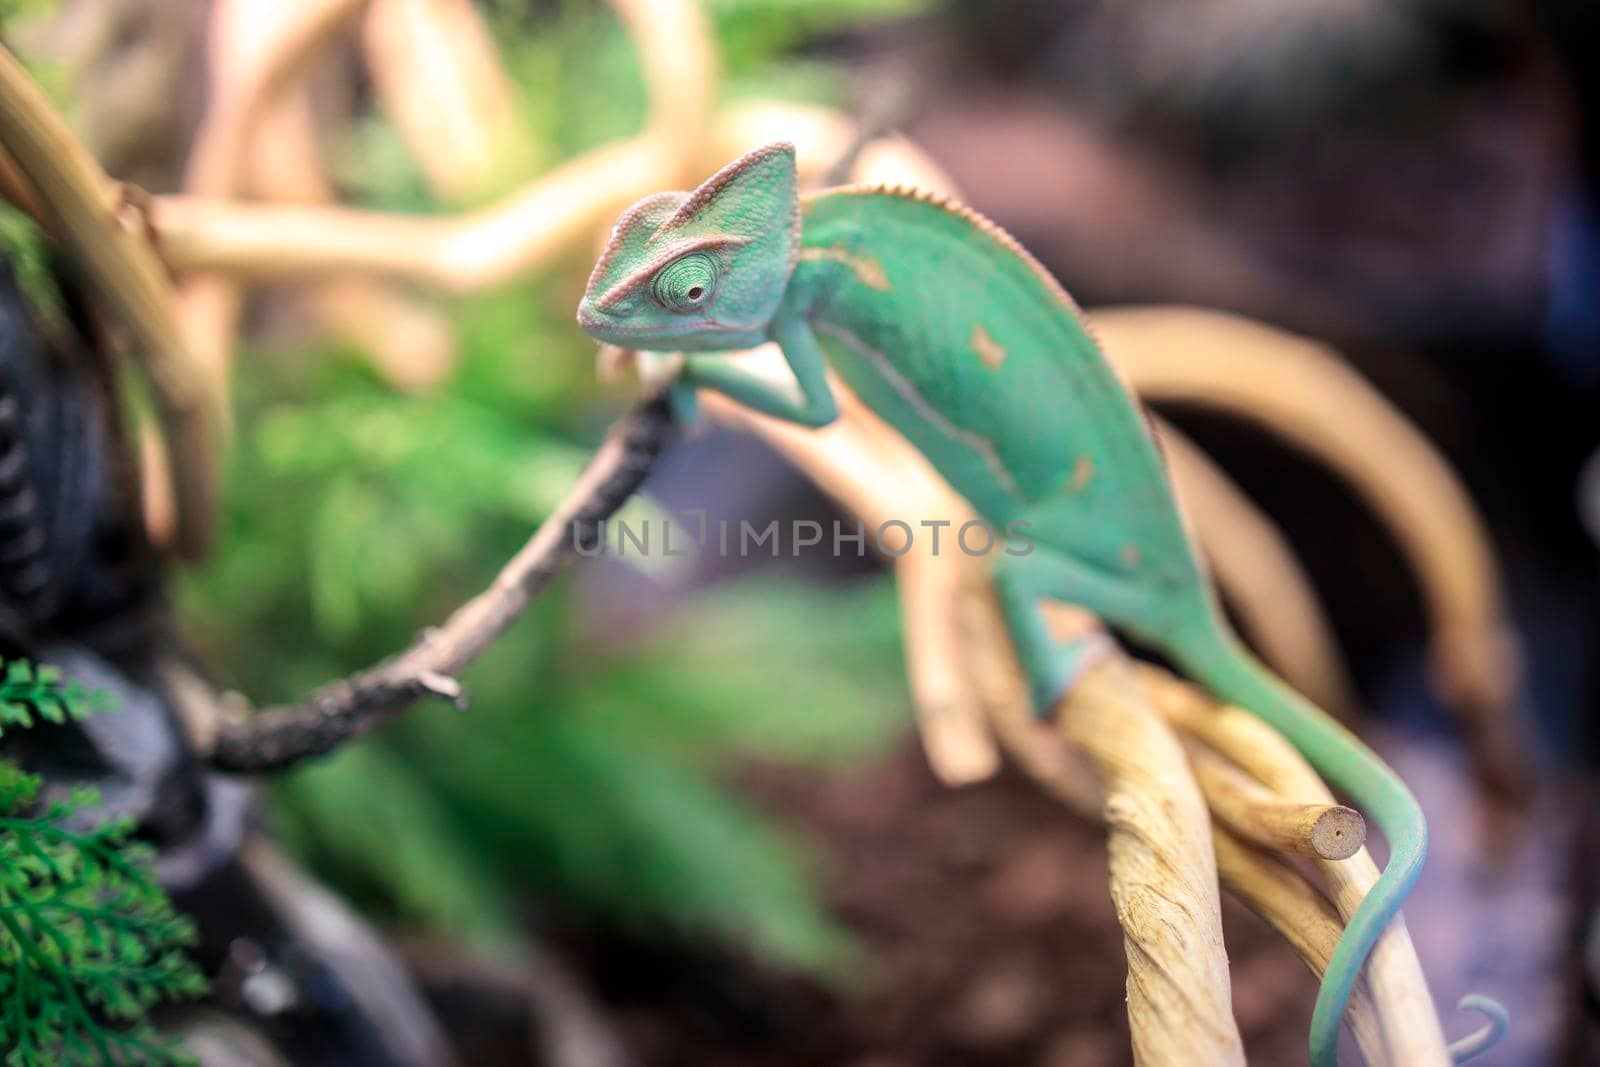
71 189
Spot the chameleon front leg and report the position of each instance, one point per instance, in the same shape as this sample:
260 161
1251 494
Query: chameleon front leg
814 406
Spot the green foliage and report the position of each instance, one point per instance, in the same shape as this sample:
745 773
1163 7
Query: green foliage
368 821
29 693
15 11
88 941
580 84
373 162
605 792
756 34
23 245
594 782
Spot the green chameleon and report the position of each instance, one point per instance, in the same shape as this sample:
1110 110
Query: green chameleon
953 334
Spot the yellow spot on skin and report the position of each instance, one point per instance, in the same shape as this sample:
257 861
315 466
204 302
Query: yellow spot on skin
1082 471
1131 556
987 347
869 272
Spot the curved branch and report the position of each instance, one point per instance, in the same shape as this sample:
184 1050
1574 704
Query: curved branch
679 58
1302 392
874 474
822 137
1259 575
409 341
438 77
1137 781
256 51
80 200
1303 916
1393 971
1403 1022
1163 872
478 249
275 738
256 47
461 253
1255 813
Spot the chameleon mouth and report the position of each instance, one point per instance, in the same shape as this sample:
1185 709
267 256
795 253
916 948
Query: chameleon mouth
606 331
597 326
588 321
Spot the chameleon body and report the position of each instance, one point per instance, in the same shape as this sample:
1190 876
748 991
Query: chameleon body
956 337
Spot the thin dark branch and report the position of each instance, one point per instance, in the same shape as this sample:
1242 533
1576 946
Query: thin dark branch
274 738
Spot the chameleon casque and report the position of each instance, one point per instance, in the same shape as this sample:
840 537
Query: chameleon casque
957 338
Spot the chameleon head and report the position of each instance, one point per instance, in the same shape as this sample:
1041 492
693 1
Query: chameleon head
704 270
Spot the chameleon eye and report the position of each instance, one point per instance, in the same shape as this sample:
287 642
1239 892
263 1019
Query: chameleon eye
686 283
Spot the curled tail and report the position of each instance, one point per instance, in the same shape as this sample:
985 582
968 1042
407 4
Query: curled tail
1486 1036
1216 659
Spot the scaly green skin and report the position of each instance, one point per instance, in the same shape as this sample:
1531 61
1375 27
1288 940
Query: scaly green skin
952 333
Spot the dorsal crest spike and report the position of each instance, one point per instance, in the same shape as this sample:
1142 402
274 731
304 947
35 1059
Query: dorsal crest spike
978 220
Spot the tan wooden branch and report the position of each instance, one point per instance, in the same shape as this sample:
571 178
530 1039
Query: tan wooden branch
439 79
822 136
1279 895
470 251
876 476
1260 576
82 208
678 54
1302 392
1410 1023
410 343
257 48
476 250
1137 780
1249 809
1291 906
1163 873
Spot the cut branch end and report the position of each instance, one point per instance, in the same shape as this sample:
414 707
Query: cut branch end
1338 833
